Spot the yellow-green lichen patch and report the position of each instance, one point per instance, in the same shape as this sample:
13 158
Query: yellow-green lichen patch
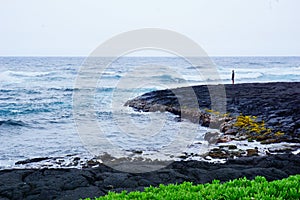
254 129
216 113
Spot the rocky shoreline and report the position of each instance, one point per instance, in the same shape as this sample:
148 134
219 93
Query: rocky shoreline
92 182
267 113
275 103
271 110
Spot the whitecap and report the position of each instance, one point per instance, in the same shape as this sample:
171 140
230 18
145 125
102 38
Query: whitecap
28 74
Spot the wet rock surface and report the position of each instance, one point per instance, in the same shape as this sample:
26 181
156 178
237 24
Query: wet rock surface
93 182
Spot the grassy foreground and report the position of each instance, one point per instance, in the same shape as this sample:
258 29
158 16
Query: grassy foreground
259 188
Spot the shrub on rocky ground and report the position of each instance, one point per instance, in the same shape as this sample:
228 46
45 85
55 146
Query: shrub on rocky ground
259 188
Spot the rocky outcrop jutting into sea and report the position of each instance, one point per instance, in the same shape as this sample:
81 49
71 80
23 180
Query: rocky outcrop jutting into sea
275 107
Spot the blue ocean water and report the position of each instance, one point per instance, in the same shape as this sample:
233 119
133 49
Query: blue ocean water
36 98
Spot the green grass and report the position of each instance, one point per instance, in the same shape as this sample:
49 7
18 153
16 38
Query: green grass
259 188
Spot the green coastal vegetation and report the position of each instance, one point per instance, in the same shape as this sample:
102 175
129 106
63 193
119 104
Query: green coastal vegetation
259 188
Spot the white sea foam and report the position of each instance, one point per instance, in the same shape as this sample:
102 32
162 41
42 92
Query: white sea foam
5 77
27 73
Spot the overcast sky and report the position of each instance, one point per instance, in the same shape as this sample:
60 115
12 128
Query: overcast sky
220 27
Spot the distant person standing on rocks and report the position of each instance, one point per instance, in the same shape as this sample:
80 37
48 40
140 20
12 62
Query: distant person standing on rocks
232 77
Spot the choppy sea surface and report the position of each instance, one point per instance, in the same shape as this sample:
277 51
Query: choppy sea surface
36 99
